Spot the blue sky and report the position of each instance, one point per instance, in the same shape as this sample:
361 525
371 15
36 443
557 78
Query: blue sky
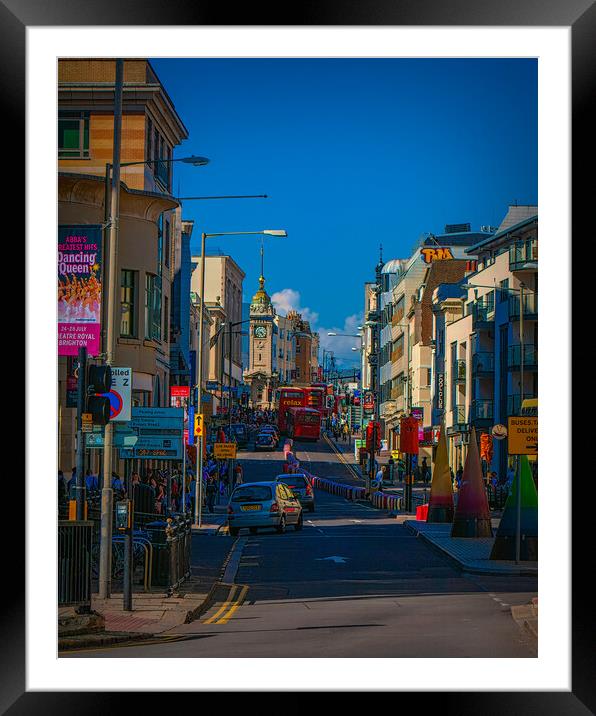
352 153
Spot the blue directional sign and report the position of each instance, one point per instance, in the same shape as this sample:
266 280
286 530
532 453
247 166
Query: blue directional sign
160 433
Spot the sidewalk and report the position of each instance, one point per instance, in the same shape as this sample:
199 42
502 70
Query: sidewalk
469 554
153 613
212 522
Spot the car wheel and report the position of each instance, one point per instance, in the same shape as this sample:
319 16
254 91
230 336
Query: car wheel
298 525
281 527
253 530
234 531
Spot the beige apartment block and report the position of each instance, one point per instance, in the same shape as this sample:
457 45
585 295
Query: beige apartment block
223 285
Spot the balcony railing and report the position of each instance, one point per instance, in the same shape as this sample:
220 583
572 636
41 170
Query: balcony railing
530 306
482 410
482 311
459 414
483 362
459 371
530 356
522 253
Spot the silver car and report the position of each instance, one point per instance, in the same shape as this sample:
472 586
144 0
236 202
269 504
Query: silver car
263 504
301 486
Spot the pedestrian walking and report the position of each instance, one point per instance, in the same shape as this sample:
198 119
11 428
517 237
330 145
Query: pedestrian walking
62 488
425 470
211 491
458 476
346 432
238 474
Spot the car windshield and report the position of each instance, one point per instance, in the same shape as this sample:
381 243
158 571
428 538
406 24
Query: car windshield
252 493
294 481
264 438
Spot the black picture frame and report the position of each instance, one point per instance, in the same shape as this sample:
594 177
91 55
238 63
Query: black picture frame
580 16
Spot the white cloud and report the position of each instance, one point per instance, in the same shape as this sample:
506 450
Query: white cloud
289 300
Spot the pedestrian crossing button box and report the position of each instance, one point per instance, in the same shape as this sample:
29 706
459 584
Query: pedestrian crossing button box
124 515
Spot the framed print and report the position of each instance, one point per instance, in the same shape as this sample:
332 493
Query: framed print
320 131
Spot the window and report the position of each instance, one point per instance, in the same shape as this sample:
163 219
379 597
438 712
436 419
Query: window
160 232
152 307
148 137
166 256
128 326
73 135
166 319
503 294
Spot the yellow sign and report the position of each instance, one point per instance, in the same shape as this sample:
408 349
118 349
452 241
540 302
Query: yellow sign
395 454
435 253
523 436
199 430
87 422
224 450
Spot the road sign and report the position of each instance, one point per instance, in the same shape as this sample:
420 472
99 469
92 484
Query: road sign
199 430
224 450
120 395
212 385
87 422
523 436
121 440
160 433
499 432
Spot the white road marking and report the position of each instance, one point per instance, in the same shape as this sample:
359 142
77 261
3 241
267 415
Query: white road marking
335 558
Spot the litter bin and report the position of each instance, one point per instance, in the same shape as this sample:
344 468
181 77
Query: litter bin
160 566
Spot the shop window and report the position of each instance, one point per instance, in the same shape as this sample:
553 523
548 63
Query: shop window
73 135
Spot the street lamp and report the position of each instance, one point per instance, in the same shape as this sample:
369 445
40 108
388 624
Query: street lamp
204 236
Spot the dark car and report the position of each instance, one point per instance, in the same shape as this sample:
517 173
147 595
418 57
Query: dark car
239 434
265 441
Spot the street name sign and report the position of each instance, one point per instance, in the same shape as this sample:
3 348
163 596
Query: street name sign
160 433
87 422
523 436
224 450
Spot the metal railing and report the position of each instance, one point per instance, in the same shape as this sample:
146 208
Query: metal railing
482 409
75 539
459 414
497 496
530 356
459 371
178 536
483 362
530 306
521 253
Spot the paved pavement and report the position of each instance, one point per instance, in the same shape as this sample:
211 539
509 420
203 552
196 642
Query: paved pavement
354 582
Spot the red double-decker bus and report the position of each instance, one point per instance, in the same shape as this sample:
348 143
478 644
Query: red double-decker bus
303 423
286 398
314 397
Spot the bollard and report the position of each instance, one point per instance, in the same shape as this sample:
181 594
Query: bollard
171 542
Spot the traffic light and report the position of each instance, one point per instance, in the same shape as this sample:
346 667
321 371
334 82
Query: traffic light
373 429
99 380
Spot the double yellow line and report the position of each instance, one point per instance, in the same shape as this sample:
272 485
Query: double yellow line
342 458
232 603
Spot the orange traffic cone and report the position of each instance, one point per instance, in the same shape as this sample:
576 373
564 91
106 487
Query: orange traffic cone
472 515
440 504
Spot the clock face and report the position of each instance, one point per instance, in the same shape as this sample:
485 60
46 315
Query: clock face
260 331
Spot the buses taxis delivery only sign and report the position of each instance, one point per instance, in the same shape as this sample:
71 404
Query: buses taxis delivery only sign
224 450
523 436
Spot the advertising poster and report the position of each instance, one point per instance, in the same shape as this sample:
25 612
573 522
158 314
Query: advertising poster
79 289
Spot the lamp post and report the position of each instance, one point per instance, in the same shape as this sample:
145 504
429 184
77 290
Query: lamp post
204 237
521 290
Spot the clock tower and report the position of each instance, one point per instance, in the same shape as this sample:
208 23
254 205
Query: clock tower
261 374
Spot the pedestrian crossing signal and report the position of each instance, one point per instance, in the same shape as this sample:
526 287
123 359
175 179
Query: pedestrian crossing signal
198 432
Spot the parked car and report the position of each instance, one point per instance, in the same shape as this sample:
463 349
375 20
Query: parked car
239 434
265 441
301 486
263 504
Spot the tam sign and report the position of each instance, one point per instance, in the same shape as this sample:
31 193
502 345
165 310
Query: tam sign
435 253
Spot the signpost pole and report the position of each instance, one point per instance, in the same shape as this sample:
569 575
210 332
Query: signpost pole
128 545
521 400
184 471
80 482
